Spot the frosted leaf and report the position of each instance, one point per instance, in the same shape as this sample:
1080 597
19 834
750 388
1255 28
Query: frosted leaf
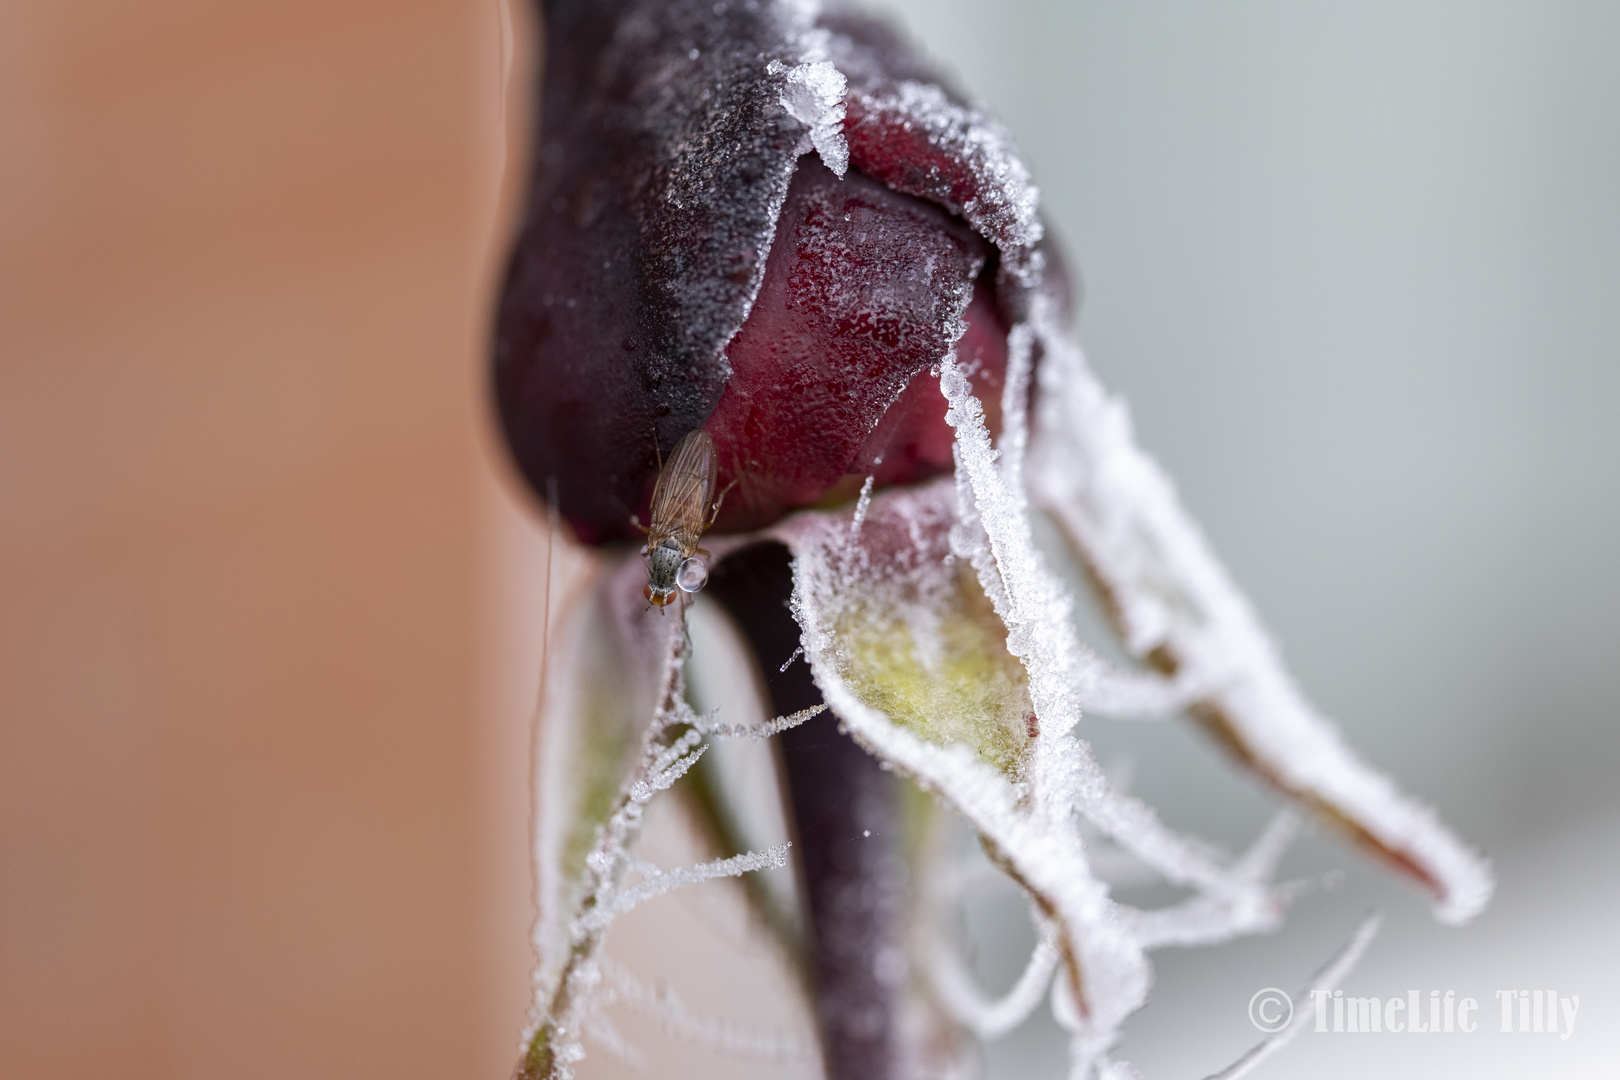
915 637
995 533
911 654
889 620
1176 606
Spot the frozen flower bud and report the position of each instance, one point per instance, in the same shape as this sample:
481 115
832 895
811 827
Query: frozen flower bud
761 220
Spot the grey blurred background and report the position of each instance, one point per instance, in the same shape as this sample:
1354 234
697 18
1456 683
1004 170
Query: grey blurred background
1356 268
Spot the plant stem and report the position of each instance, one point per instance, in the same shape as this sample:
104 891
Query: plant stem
846 828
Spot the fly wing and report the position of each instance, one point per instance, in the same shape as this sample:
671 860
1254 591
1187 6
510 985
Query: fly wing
685 488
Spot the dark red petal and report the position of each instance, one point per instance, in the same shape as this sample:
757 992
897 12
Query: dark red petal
662 160
913 442
863 291
629 313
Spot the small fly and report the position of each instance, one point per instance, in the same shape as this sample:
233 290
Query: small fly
683 508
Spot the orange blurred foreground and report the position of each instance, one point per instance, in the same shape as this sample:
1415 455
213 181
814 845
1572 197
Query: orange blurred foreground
262 787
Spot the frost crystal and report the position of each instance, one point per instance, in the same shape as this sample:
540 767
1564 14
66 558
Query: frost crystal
813 94
1002 201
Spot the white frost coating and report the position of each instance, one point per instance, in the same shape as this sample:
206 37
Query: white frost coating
1009 564
1049 861
1042 807
1029 823
1203 920
1007 208
717 730
1108 1069
1101 686
813 94
1331 974
1171 594
862 505
1040 632
660 883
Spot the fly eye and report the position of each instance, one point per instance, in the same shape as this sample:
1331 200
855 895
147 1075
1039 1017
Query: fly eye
692 575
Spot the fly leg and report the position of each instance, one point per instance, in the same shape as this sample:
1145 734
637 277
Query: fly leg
714 511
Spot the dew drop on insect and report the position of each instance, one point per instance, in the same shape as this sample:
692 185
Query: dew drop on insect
692 575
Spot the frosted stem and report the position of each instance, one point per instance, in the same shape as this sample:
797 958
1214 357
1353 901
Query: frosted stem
967 1004
1331 974
658 884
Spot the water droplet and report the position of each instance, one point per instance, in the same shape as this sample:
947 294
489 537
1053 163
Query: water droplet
692 575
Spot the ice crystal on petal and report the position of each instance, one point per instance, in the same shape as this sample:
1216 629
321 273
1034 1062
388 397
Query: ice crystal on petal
994 192
813 94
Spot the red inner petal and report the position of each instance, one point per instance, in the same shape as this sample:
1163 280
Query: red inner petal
831 370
